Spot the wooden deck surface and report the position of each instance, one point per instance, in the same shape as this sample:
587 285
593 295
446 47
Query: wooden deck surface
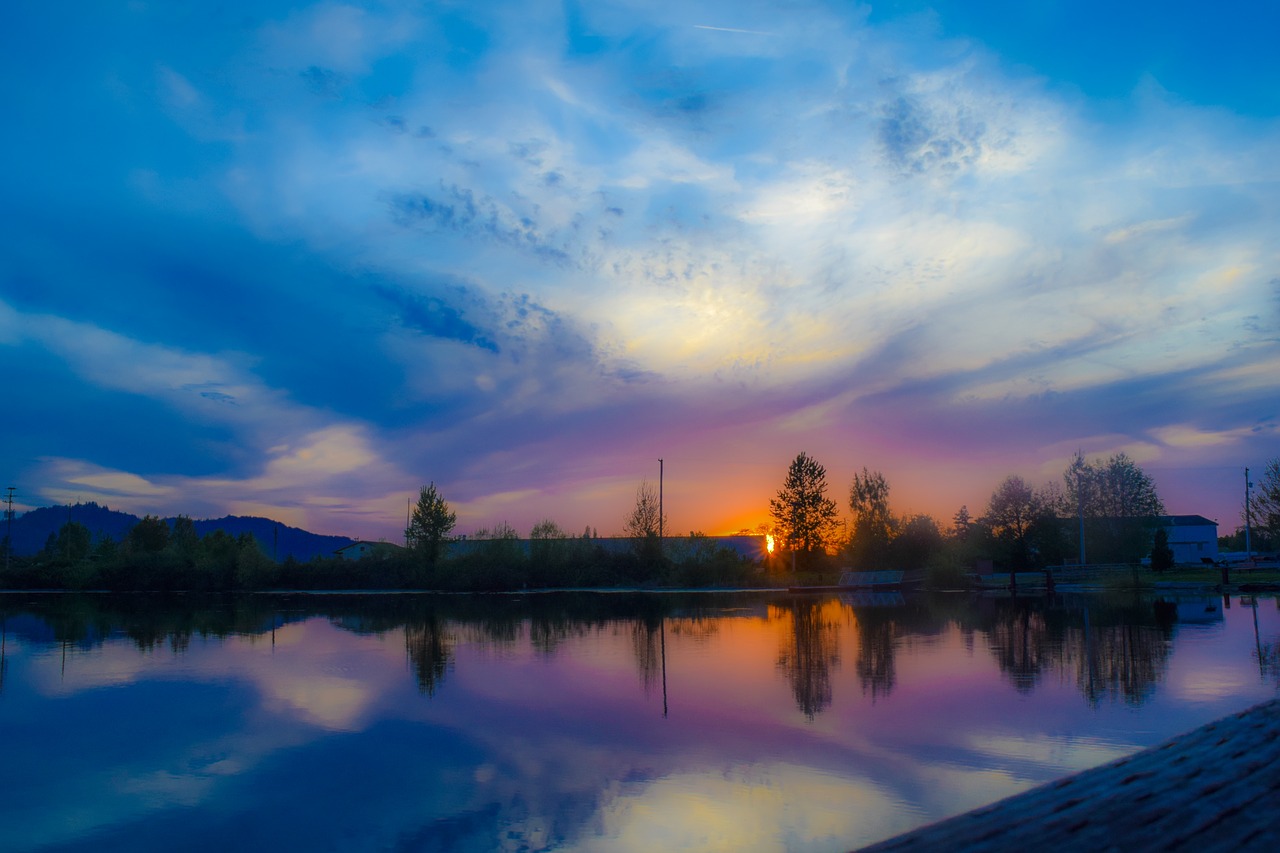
1215 788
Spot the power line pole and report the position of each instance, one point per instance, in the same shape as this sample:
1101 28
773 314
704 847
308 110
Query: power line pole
661 519
1080 508
1248 544
8 536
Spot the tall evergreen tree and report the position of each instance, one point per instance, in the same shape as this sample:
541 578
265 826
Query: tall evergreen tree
430 525
1161 553
802 511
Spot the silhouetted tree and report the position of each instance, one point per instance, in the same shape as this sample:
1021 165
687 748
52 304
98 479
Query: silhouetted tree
645 519
804 514
1119 503
1012 510
184 541
546 530
430 525
1161 553
549 551
149 536
644 524
874 526
72 544
1264 507
253 568
917 542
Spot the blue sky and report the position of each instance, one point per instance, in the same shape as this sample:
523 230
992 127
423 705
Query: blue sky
298 259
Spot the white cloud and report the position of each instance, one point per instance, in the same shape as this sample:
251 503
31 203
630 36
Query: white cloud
207 388
834 206
762 807
337 36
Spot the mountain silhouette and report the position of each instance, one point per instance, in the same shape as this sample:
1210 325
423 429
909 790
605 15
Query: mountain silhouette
279 541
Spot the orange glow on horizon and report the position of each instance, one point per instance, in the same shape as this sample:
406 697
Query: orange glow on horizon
768 542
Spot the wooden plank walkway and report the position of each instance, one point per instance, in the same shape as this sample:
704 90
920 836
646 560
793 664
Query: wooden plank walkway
1216 788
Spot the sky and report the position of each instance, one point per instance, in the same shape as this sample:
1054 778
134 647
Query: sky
300 259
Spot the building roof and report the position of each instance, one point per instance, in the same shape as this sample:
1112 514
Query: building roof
1186 521
368 544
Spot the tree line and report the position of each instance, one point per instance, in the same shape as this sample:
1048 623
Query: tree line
1103 510
497 559
155 555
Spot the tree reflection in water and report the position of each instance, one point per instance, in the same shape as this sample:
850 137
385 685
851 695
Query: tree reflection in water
877 648
1111 651
1266 653
1022 646
1268 657
1120 660
810 648
1111 646
646 643
430 652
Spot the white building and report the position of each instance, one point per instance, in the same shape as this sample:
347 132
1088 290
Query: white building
1193 538
361 548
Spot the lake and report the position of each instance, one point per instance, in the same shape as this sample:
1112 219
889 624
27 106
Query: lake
584 721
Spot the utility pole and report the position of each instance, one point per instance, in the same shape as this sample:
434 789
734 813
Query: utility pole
8 536
1080 507
1248 516
661 519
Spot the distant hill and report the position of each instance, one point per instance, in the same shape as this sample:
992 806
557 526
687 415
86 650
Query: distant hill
277 540
32 529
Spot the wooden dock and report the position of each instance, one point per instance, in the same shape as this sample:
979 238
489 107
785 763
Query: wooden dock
1215 788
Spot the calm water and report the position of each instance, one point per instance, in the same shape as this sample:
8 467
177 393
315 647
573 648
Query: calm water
754 721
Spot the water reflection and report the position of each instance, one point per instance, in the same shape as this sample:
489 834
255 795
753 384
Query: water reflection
647 643
1021 644
877 648
1266 651
1111 648
535 722
810 648
430 652
1124 660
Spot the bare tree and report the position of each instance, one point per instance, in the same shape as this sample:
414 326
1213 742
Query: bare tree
645 520
1264 507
